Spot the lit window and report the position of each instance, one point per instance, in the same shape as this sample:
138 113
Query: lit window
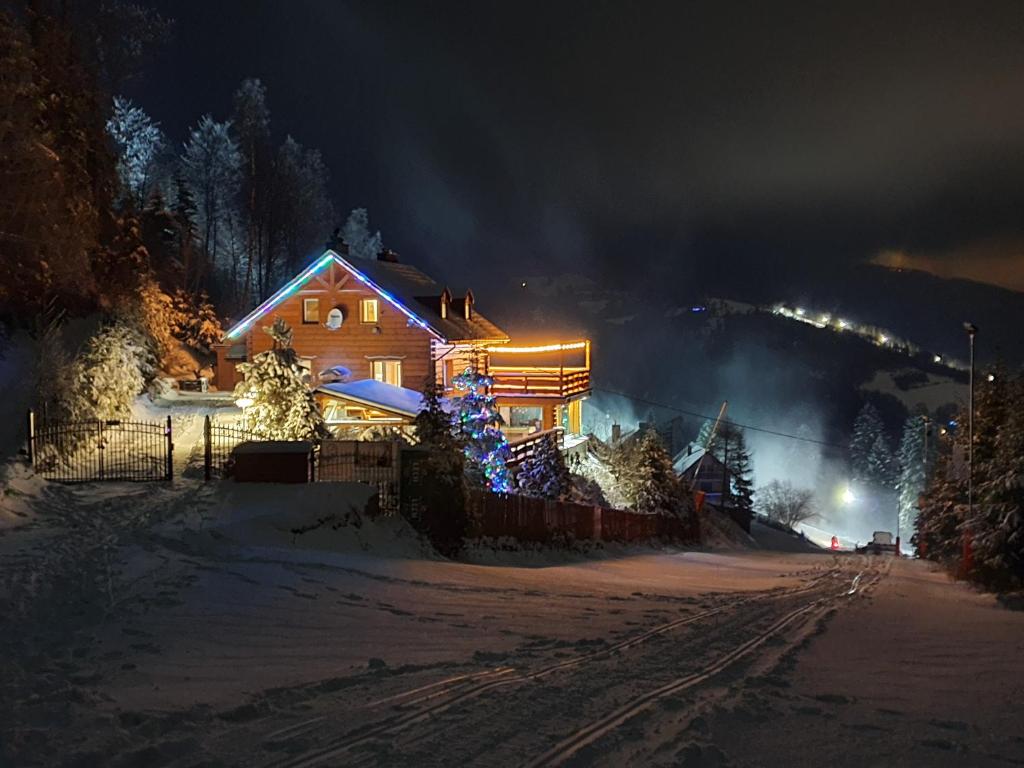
444 306
368 310
311 310
388 371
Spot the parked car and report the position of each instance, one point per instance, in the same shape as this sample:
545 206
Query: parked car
881 544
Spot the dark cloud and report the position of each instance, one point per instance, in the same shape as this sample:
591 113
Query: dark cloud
500 138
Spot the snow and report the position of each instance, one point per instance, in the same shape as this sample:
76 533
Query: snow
388 396
253 624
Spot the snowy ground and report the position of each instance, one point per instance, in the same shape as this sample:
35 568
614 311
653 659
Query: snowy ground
194 625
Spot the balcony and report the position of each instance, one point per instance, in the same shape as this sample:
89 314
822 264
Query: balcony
558 371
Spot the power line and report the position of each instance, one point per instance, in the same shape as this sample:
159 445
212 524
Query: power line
704 416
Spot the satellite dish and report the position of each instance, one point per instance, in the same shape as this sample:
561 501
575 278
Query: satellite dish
334 319
335 373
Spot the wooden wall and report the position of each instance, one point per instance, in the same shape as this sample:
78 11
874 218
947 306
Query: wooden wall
355 342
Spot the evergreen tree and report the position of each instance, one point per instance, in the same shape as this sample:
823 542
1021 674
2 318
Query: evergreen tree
478 421
939 524
882 466
999 526
356 232
741 475
109 373
283 406
729 446
139 142
867 428
657 489
303 204
251 124
211 166
544 474
442 514
914 467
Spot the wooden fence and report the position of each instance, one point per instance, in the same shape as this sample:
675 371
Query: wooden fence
537 520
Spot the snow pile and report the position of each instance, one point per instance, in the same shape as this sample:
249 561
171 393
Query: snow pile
326 517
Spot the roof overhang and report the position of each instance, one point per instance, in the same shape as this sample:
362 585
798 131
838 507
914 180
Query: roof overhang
305 275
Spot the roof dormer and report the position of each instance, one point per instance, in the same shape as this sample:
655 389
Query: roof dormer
467 305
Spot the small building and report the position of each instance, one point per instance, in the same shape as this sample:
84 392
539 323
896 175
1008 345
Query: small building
703 471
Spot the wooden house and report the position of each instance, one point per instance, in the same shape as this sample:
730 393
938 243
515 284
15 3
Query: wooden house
385 321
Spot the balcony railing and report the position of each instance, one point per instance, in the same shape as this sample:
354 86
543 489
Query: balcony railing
535 382
553 370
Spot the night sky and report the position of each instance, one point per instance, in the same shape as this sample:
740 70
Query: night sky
736 143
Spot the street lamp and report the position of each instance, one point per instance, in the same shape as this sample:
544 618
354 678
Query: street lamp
972 331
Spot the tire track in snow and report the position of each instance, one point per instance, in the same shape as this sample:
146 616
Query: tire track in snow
490 680
587 735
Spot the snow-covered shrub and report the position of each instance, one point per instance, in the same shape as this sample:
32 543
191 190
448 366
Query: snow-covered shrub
109 373
283 406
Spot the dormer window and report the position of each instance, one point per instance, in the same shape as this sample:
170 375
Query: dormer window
467 305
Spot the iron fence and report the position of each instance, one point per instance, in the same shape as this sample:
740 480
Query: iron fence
354 461
99 450
218 442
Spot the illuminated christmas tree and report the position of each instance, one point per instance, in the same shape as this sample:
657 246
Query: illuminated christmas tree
478 421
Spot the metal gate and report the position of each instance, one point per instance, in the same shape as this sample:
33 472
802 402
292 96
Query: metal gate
98 450
374 463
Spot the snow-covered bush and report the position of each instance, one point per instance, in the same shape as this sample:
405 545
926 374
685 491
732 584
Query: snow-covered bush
109 373
283 406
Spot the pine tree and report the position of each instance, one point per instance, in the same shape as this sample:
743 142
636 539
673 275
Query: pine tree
914 467
939 524
867 428
283 406
211 167
657 490
139 142
441 514
741 475
729 446
478 421
361 244
543 474
109 374
882 467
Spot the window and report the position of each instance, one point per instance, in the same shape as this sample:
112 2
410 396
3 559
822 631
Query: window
444 306
368 311
311 310
388 371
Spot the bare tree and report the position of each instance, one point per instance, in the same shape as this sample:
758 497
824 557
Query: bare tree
781 503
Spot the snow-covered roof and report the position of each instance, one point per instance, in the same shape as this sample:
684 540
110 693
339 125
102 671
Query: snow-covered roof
687 458
376 394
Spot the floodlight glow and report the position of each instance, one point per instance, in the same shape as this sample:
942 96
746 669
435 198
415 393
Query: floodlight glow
843 324
848 496
991 377
883 339
800 311
937 359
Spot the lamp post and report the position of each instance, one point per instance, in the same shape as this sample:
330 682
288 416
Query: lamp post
965 565
972 331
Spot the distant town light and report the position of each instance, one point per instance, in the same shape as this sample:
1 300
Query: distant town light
937 359
883 339
800 311
826 318
843 324
991 377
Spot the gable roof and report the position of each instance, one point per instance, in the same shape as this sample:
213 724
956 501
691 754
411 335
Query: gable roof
377 394
403 286
688 458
